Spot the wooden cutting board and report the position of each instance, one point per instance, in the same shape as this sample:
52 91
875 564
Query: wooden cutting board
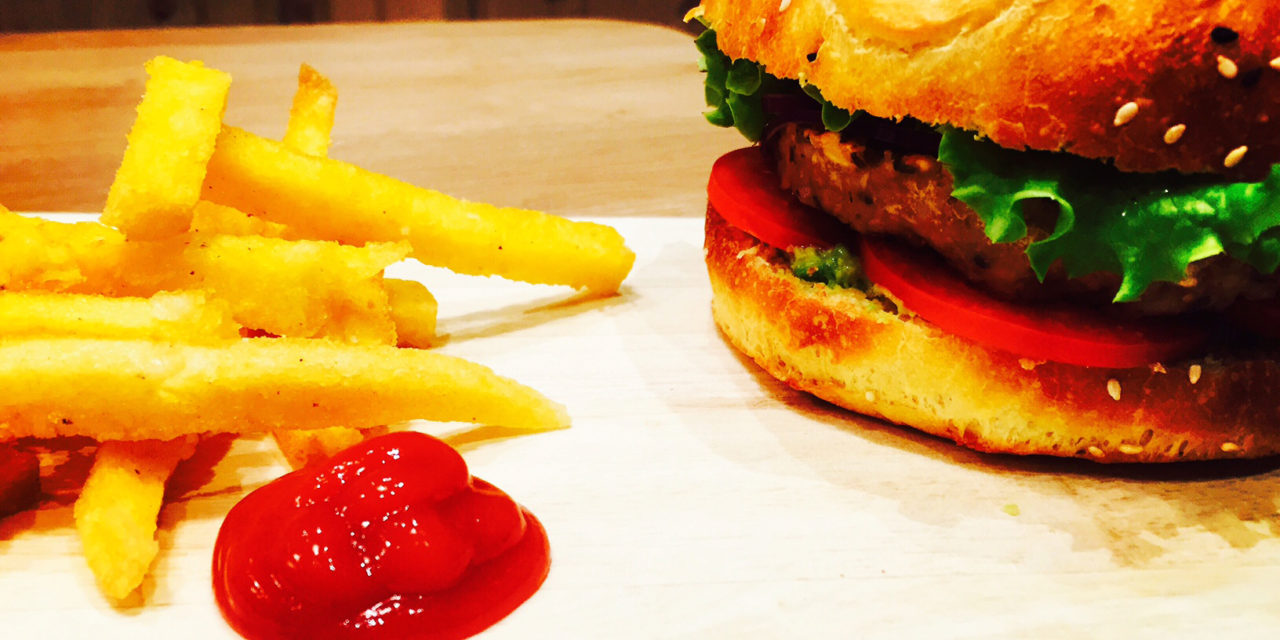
694 497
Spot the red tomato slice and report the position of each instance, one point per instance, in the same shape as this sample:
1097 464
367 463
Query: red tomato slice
1056 334
744 189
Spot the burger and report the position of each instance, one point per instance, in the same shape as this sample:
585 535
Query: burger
1044 227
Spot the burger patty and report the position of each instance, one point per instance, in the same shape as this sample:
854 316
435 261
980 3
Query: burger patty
878 190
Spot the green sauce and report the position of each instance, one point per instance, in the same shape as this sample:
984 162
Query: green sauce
837 267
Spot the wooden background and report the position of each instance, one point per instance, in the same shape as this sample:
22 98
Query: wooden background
62 15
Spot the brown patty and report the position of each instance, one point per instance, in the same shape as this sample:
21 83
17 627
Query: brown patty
875 190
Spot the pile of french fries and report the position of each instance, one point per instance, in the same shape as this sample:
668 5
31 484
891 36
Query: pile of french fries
234 284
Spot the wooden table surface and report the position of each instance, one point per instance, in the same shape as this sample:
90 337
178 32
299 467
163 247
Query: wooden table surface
575 117
694 497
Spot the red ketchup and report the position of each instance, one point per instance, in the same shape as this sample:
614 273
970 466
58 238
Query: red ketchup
391 538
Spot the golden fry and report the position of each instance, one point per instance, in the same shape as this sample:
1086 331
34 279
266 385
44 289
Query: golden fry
296 288
311 117
117 509
56 256
137 389
324 198
302 289
304 448
310 124
413 311
209 219
184 316
172 138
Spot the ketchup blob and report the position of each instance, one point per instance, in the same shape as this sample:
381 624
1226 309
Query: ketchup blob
391 538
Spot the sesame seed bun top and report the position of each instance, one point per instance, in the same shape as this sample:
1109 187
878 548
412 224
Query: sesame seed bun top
1191 85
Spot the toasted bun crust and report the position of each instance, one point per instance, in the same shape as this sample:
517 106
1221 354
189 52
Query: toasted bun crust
848 349
1044 74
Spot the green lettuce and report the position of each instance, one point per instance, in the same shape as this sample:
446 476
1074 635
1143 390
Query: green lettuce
735 90
1145 227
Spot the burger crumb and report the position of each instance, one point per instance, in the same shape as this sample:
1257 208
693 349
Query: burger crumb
1193 373
1113 389
1028 364
1130 449
1174 133
1229 447
1156 367
1126 113
1096 452
1227 67
1236 155
1012 509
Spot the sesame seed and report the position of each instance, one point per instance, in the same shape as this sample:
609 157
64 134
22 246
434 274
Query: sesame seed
1275 63
871 396
1096 452
1174 133
1126 113
1227 67
783 7
1234 158
1229 447
1130 449
1113 389
1193 373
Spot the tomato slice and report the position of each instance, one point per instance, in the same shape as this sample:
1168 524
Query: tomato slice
744 189
1056 334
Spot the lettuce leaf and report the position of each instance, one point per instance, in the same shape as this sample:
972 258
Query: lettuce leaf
1145 227
735 90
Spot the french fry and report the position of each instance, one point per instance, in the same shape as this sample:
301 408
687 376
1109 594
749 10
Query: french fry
311 116
303 288
332 200
137 389
304 448
310 124
297 288
117 509
211 219
55 256
308 131
159 179
187 316
413 311
116 512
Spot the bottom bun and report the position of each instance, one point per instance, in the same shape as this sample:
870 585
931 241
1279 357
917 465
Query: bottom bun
858 351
